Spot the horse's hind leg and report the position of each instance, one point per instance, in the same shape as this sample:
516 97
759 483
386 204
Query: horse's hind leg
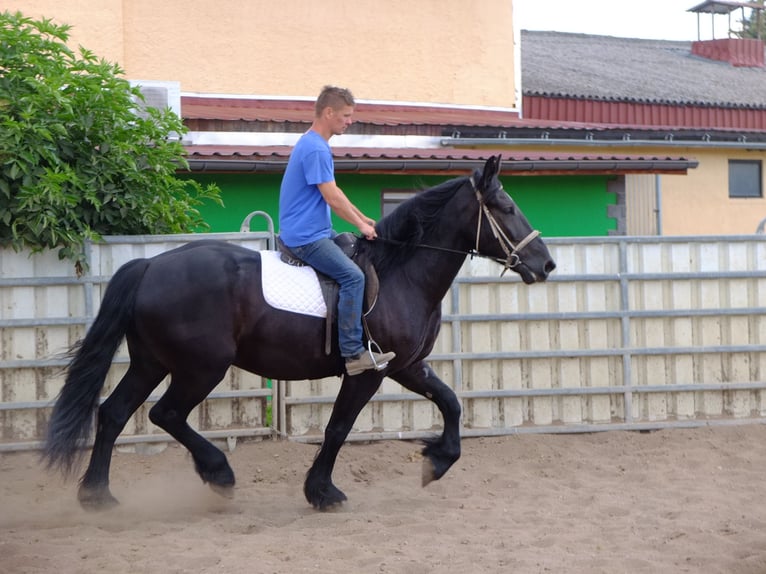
113 414
441 452
185 392
354 393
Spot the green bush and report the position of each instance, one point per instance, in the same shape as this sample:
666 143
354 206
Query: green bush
76 161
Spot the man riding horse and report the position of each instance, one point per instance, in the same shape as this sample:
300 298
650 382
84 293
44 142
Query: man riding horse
307 195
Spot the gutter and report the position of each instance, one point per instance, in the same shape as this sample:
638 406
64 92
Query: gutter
652 165
535 142
344 165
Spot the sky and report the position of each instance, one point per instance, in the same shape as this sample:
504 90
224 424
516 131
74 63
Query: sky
648 19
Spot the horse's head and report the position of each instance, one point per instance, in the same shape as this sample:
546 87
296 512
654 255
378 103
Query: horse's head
503 232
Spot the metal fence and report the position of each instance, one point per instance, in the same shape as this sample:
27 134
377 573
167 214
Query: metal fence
45 308
628 333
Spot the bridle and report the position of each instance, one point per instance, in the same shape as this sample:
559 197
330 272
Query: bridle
511 251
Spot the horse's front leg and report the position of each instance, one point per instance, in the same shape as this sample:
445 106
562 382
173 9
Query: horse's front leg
443 451
354 393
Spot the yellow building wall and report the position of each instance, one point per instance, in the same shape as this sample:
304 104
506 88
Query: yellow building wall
96 25
699 203
436 51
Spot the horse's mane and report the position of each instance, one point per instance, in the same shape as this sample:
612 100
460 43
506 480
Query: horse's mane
404 228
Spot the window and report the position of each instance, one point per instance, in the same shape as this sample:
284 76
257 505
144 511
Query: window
393 197
745 178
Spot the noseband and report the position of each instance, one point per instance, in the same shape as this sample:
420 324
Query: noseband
511 251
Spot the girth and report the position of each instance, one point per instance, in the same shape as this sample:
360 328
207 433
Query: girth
330 288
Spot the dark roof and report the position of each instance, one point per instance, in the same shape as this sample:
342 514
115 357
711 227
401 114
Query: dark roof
723 6
559 64
438 160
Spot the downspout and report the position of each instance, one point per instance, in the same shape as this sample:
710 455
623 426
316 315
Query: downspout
658 201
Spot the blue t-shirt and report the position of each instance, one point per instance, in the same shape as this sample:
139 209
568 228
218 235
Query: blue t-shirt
304 215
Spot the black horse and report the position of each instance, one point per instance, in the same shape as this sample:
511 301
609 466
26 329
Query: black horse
196 310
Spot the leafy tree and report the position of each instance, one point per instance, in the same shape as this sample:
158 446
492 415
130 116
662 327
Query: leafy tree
76 161
754 26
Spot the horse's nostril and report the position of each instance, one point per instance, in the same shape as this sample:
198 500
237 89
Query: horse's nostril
549 267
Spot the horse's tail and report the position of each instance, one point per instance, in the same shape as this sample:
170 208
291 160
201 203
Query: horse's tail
72 418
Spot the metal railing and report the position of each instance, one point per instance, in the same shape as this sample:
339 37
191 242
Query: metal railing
626 318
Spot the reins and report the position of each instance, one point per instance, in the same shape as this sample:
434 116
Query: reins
511 251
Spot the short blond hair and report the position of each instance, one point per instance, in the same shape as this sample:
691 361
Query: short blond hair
333 97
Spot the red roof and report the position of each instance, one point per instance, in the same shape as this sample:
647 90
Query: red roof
596 115
392 159
441 160
301 111
197 107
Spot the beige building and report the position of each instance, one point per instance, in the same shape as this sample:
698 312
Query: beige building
434 51
448 55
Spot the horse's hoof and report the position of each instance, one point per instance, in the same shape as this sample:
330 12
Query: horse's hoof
327 498
437 461
428 472
329 504
97 500
221 477
224 491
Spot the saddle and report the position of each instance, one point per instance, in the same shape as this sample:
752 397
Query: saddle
330 288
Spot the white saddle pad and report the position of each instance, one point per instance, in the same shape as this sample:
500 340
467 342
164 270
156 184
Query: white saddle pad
291 288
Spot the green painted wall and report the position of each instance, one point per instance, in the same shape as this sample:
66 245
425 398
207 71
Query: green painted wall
241 194
564 206
559 206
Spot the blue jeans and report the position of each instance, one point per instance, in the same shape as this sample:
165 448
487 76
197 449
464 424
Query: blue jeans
326 257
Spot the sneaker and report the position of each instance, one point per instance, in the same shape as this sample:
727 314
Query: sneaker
368 360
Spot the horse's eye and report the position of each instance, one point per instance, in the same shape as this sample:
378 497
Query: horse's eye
509 209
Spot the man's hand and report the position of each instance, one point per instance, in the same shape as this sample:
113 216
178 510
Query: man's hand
368 230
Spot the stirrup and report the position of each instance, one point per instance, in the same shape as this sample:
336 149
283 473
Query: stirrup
376 366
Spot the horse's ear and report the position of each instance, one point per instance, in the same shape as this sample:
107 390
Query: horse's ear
491 169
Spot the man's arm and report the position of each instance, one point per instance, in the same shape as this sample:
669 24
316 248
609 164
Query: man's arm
343 208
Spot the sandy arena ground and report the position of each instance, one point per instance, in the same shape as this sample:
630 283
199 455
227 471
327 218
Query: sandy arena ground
662 502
